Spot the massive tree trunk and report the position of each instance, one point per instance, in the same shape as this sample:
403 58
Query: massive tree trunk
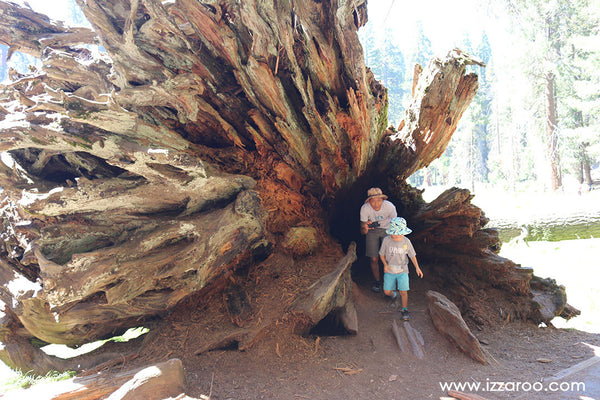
552 132
137 177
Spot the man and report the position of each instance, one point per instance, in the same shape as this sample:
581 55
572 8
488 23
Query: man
375 216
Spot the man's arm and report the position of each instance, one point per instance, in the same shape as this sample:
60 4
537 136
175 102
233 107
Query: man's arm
364 227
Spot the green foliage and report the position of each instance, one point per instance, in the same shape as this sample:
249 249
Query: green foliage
503 137
387 62
558 37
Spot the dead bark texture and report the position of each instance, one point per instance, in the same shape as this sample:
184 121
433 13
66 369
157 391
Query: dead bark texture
186 141
329 296
441 94
448 321
122 168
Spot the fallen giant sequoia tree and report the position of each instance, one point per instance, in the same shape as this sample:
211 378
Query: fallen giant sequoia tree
205 135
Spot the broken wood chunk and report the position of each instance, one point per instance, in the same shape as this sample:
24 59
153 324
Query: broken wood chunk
465 396
228 341
331 294
448 321
413 338
400 337
408 339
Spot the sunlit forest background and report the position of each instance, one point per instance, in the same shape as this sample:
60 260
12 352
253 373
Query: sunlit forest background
535 122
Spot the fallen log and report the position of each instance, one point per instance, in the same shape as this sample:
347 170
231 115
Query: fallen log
465 396
155 382
553 228
158 382
19 354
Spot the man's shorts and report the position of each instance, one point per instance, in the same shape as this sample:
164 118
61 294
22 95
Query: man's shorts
373 242
391 281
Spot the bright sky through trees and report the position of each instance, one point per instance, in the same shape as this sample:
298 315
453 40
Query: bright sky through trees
445 23
55 9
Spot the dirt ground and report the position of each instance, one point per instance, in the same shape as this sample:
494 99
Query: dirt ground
369 365
278 364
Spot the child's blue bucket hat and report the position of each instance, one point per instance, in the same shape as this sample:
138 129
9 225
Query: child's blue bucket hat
398 227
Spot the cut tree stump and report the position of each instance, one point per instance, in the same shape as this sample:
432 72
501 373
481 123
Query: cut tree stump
448 321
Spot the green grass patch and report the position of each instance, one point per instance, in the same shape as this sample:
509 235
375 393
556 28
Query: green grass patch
26 380
13 380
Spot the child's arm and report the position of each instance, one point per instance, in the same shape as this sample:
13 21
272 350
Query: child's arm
419 272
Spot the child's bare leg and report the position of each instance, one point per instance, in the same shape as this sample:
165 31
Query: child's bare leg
389 293
404 298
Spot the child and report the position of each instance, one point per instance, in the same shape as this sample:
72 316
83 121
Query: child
375 216
395 251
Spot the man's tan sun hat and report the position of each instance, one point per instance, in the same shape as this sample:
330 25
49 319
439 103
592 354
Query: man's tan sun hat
375 192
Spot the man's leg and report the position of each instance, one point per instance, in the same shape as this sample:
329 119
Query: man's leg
372 251
375 268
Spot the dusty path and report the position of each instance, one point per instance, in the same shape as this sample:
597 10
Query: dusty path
375 368
368 365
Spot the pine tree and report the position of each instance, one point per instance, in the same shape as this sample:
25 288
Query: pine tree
551 28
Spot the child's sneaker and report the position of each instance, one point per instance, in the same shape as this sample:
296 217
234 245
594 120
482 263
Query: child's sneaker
404 314
395 302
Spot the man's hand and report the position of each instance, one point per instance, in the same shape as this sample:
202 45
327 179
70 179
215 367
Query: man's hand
364 228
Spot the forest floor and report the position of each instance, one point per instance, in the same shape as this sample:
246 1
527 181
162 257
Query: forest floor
368 365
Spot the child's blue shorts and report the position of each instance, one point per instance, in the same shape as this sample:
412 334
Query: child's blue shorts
391 281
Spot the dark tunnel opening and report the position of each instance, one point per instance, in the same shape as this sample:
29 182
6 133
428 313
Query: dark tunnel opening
344 223
331 325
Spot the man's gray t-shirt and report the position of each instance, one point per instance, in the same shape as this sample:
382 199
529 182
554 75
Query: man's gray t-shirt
384 215
397 253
